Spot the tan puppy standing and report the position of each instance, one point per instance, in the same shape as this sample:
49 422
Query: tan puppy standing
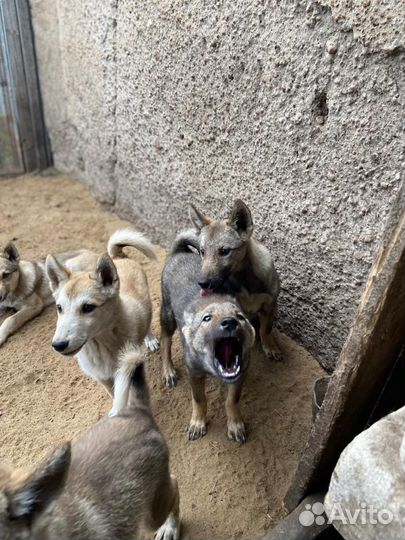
104 485
102 309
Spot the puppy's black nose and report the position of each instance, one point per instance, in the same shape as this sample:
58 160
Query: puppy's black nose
60 345
229 323
205 284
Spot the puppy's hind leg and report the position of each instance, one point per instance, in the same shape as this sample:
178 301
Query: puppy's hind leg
267 337
168 327
170 530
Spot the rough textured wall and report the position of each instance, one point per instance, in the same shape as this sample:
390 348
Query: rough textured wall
296 107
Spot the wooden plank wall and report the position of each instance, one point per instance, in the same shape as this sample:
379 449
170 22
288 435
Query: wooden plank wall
20 41
370 352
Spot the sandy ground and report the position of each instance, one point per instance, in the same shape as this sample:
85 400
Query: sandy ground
227 490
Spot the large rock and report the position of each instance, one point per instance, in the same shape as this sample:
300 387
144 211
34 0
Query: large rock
369 478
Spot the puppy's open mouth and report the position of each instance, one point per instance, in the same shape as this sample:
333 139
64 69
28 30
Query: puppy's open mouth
228 358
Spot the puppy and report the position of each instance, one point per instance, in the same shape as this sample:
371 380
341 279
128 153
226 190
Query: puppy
234 261
24 287
106 484
216 337
103 308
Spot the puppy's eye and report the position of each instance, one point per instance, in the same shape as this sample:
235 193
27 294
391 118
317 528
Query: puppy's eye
207 318
58 308
224 251
6 275
88 308
202 252
240 317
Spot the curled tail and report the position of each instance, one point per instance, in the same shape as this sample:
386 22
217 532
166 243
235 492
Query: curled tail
130 383
129 237
186 242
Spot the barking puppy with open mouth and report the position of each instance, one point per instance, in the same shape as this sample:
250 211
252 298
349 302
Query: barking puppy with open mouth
216 336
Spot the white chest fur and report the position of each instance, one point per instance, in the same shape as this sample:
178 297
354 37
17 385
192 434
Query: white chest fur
98 359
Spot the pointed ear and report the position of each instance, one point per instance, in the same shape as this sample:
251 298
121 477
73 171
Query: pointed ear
198 219
42 487
107 275
10 252
241 219
55 272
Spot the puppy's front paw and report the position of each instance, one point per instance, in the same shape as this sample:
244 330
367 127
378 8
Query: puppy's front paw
237 432
196 430
170 379
152 342
169 530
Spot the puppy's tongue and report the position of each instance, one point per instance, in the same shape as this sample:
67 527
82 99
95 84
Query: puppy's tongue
206 292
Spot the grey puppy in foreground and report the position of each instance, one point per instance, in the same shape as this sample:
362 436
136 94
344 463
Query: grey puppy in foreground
106 484
216 335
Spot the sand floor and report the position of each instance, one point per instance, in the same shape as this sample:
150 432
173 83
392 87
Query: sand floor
227 490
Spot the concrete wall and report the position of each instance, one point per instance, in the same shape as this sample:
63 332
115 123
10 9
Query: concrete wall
296 107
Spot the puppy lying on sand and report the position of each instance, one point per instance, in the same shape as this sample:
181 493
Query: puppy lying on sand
24 287
216 336
102 308
105 485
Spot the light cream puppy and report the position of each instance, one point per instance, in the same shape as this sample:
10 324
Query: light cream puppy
104 485
24 287
102 309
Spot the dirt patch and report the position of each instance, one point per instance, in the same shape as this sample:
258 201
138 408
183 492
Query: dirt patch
227 490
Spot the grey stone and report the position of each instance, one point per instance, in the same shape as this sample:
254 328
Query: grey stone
370 478
154 104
